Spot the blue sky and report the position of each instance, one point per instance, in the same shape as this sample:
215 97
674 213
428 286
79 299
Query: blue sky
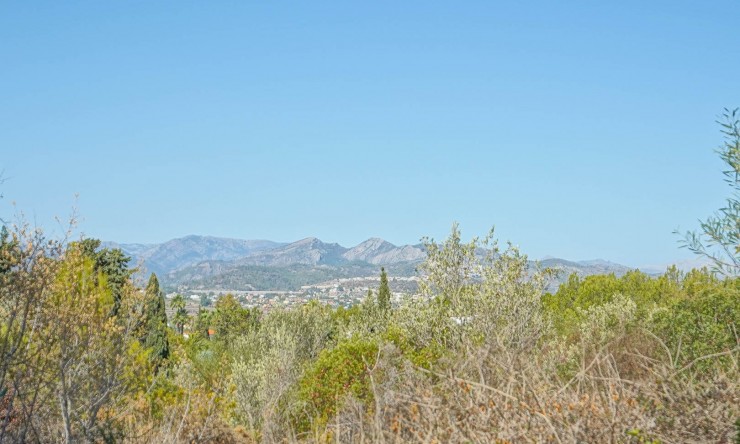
578 129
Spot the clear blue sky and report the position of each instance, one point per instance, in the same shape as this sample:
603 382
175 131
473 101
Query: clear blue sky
578 129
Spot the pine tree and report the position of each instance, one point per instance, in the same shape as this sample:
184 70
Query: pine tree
113 264
384 292
155 335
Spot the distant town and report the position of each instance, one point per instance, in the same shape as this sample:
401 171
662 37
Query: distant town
343 292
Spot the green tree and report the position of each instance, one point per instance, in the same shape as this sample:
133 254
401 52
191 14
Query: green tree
114 264
230 319
180 317
111 263
202 324
719 236
155 335
449 267
87 361
384 292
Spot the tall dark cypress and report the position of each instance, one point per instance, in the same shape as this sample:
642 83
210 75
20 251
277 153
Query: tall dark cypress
155 336
384 292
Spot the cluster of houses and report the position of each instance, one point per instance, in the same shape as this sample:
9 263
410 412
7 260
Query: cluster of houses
338 292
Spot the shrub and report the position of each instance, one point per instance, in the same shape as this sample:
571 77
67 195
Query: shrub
337 373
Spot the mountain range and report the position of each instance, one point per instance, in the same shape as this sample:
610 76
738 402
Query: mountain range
238 264
190 250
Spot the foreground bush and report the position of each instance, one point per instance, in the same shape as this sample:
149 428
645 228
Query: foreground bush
497 397
337 373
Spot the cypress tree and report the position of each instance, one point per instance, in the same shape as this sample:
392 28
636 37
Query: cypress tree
155 335
384 292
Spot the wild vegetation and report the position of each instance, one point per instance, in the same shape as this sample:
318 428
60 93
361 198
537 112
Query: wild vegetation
481 354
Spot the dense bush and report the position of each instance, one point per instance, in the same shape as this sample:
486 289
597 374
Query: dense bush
701 326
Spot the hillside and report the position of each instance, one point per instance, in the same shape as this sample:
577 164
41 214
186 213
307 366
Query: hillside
190 250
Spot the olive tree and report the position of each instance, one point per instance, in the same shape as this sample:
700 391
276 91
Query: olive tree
719 236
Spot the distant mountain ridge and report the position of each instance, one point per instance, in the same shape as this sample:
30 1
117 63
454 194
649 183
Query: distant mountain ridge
309 251
377 251
189 251
200 260
583 268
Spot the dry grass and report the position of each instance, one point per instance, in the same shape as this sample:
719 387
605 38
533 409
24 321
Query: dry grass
496 396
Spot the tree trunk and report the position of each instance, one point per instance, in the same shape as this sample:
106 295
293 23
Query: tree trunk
63 402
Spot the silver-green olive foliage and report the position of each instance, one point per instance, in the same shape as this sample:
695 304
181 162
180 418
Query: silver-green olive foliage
719 236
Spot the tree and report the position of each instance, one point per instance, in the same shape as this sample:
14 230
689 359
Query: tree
384 292
719 238
112 263
230 319
180 316
27 273
449 266
202 324
88 359
472 291
267 362
155 334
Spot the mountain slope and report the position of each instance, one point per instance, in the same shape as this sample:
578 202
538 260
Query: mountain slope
309 251
379 252
582 268
190 250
